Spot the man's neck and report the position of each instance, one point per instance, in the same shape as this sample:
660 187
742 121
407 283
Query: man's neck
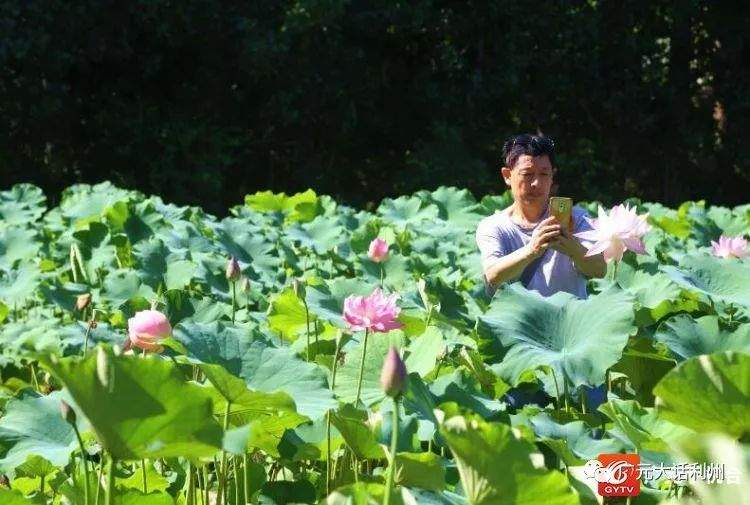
527 213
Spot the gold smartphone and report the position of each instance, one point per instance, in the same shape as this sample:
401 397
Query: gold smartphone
562 208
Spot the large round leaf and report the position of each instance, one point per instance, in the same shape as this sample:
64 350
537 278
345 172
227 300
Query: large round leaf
707 393
687 337
263 368
22 204
33 426
725 279
643 426
140 407
579 339
347 376
495 466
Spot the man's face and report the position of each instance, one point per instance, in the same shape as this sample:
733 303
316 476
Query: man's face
530 180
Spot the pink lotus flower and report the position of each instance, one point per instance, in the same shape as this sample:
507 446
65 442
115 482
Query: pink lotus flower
378 250
393 375
615 232
146 328
375 312
730 247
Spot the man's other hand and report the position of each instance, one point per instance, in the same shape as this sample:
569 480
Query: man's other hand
544 236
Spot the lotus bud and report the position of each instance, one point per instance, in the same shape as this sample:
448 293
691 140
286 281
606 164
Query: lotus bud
233 270
378 250
83 301
298 286
67 413
245 284
393 375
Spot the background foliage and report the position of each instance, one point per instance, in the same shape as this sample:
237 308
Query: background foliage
204 101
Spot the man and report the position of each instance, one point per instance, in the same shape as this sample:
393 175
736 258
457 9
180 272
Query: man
524 242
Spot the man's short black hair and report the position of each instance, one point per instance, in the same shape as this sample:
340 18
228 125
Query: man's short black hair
533 145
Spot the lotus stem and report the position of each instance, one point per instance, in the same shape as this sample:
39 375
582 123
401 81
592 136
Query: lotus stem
236 481
361 367
557 389
85 465
223 475
329 473
394 447
246 477
143 475
205 483
86 337
234 299
307 327
190 498
99 478
110 499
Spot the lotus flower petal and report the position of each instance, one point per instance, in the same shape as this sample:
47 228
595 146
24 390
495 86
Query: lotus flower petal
615 232
730 247
146 328
378 250
375 312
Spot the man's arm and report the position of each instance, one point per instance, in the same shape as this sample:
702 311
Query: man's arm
509 267
590 266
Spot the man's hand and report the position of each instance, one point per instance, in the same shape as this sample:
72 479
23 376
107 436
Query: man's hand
568 245
543 237
590 266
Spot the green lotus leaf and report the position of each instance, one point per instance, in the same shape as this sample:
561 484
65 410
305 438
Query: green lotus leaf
138 498
272 370
350 423
731 224
367 493
406 210
140 407
457 206
124 285
687 337
287 316
423 470
154 480
82 202
21 204
32 426
262 367
348 374
463 388
321 234
18 286
480 449
572 441
643 426
424 351
151 257
710 392
579 339
719 278
8 497
396 270
18 245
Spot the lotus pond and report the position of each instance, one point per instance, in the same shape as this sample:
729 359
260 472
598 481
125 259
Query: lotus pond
262 392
